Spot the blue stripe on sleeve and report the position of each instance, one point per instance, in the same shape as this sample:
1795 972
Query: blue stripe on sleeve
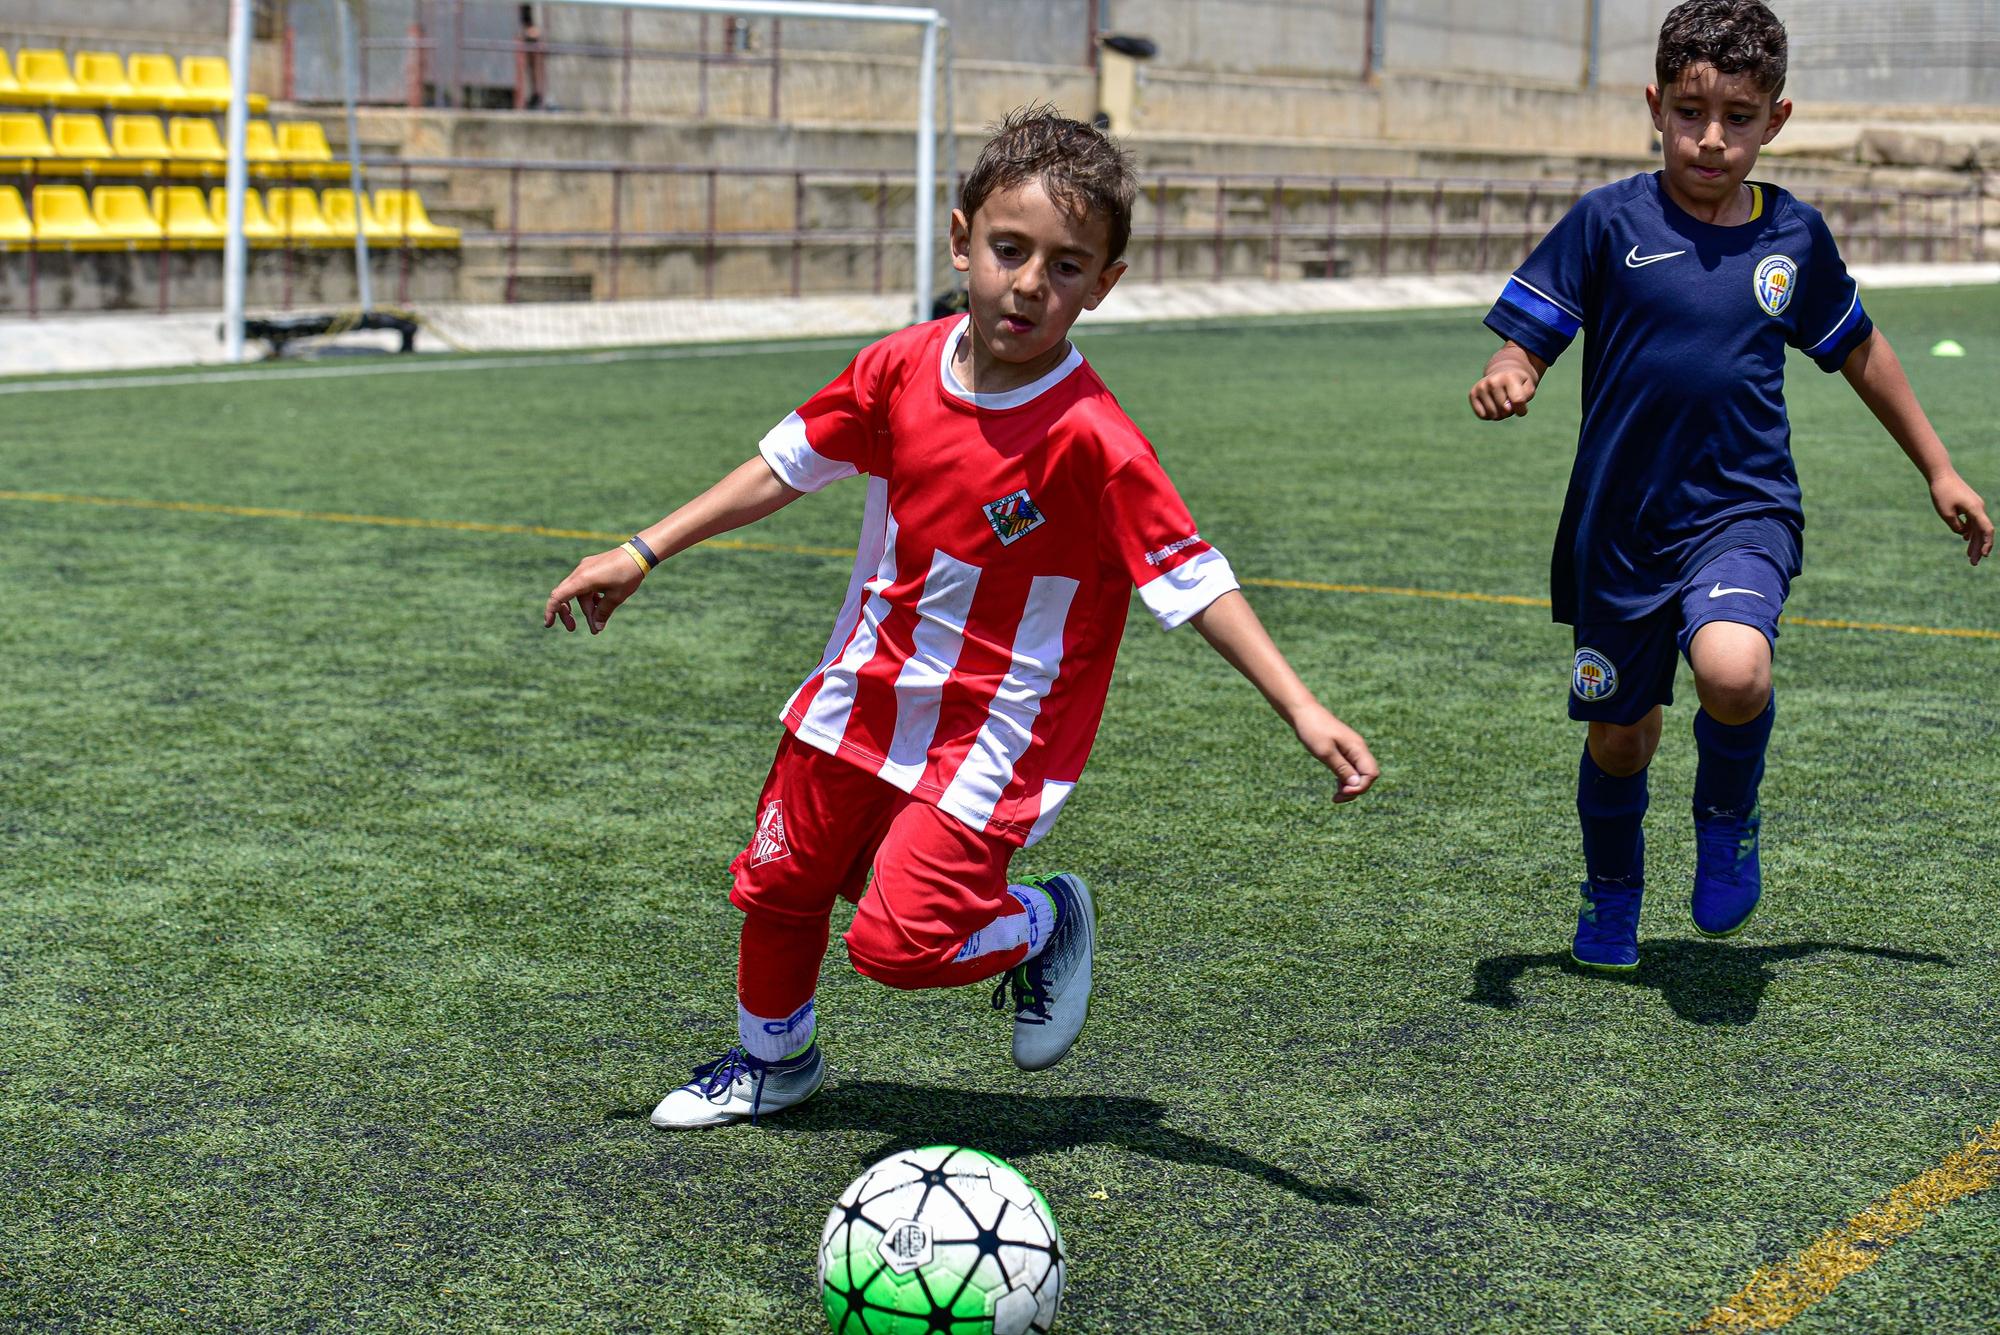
1853 317
1530 302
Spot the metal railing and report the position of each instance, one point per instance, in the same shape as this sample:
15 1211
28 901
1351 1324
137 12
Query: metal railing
433 65
1189 226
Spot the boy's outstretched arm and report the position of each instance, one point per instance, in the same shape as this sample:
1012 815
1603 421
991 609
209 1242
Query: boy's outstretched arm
1237 634
601 582
1877 376
1508 383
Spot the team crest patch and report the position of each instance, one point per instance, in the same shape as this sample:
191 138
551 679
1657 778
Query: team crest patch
768 844
1776 277
1594 678
1013 517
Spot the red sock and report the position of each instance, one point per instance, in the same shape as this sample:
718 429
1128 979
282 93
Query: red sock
777 963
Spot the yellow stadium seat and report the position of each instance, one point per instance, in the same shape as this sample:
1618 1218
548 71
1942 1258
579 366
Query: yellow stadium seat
197 148
79 138
24 143
207 79
258 229
11 93
295 212
100 76
16 230
63 218
260 149
141 141
402 212
184 219
46 80
158 84
304 142
339 207
125 216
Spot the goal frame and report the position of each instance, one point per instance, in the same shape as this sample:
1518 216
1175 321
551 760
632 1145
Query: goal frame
236 251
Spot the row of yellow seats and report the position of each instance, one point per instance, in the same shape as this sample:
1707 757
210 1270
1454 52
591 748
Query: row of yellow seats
120 217
75 142
41 78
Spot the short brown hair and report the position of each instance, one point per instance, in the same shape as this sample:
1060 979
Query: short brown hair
1083 171
1734 36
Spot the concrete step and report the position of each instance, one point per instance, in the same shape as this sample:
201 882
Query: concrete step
525 283
465 217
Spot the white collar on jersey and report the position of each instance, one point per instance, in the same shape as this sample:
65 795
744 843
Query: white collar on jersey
1011 398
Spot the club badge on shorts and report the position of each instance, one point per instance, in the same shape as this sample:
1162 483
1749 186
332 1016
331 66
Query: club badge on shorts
1776 277
769 843
1594 677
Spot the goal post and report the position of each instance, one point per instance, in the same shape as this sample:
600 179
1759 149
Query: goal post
928 21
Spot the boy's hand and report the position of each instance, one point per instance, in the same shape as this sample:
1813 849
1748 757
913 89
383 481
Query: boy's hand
1502 393
1963 513
1340 749
599 584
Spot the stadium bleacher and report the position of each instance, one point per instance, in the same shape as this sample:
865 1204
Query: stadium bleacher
146 81
102 124
68 216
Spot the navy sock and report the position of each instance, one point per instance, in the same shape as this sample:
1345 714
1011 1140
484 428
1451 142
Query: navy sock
1612 812
1731 763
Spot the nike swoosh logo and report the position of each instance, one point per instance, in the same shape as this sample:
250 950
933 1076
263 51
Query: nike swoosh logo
1718 591
1634 260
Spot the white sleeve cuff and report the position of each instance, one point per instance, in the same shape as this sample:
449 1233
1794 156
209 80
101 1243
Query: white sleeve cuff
797 464
1175 595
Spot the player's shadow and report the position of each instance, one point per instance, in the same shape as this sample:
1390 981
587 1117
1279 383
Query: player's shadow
1705 982
1018 1124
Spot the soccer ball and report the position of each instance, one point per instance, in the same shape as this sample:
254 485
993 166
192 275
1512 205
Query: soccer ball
941 1239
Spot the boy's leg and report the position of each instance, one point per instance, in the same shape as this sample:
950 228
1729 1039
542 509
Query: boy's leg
941 913
817 822
1622 675
1732 610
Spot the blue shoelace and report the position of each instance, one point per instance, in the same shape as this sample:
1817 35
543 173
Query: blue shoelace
714 1078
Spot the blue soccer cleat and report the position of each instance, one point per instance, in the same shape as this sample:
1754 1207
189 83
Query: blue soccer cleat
1051 992
1607 927
1727 881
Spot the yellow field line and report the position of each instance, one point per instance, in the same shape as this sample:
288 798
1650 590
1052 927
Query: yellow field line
1777 1293
394 521
794 549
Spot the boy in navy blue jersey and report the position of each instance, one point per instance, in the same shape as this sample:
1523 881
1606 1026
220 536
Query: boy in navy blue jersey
1681 530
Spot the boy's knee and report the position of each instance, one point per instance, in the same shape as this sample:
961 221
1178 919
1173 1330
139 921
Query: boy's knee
1735 695
1620 749
880 949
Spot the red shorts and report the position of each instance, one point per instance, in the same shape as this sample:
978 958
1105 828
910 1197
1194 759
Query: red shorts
822 826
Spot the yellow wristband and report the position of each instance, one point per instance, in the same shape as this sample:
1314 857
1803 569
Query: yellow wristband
644 567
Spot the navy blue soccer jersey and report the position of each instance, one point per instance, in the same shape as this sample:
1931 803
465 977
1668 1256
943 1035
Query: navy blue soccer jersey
1685 449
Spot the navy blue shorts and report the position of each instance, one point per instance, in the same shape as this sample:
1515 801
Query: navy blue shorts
1624 668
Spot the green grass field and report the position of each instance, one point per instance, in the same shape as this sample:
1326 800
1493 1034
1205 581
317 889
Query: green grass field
350 923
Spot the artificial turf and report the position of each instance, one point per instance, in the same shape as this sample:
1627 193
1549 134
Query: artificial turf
350 922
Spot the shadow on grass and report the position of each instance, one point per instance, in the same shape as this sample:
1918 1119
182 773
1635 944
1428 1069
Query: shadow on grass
1705 982
1016 1124
1010 1125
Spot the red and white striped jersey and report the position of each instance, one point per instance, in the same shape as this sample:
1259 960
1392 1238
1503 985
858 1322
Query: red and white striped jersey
1001 540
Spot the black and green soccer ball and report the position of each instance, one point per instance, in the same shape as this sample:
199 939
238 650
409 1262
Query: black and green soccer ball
941 1239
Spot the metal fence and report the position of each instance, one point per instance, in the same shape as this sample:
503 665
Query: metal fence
608 231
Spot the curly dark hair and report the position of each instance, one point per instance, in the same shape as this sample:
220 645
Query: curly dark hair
1735 36
1084 172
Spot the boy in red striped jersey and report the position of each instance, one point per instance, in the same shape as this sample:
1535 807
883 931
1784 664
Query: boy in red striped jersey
1012 508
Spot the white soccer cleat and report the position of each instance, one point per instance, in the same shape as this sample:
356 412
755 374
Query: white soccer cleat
736 1087
1051 992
